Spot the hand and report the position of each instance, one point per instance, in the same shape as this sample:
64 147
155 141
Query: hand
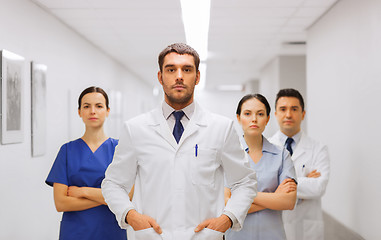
288 185
314 174
139 221
74 191
227 195
220 224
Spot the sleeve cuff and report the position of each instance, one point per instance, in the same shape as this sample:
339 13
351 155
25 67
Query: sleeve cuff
123 222
234 220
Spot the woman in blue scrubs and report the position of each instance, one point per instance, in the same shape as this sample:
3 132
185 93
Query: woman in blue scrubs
77 174
275 174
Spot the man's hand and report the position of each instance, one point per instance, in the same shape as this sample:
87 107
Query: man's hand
220 224
288 185
314 174
139 221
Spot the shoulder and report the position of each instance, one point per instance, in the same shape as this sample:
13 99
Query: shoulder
143 118
312 143
210 117
71 144
275 139
113 141
271 148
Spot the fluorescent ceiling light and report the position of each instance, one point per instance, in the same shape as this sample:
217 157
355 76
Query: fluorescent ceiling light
196 16
232 87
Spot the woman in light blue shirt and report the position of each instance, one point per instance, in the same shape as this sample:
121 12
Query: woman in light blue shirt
275 174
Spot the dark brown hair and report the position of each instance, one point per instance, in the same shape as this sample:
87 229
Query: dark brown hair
91 90
290 92
180 48
257 96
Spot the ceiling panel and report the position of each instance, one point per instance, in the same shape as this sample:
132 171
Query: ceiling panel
244 34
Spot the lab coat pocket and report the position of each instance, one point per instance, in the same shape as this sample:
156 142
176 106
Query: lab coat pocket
208 234
313 229
203 167
147 234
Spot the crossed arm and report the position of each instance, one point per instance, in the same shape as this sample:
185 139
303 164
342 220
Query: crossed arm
282 199
73 198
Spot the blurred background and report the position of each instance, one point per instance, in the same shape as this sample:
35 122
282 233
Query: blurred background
330 50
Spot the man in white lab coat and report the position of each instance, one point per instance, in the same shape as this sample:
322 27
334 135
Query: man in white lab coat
177 156
311 164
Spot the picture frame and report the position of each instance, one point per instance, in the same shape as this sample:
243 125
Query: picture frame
12 75
38 108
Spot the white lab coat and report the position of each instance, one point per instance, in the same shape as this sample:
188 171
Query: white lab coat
306 220
174 185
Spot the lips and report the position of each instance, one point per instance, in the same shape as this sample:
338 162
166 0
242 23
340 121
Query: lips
254 126
93 119
179 87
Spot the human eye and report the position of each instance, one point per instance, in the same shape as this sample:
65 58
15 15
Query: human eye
261 114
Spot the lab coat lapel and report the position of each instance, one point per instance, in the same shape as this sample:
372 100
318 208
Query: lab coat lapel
197 120
160 125
301 148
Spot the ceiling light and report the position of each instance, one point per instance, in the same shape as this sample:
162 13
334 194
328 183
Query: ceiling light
231 87
196 16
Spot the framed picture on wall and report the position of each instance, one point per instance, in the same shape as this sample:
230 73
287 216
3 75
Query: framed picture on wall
12 71
38 106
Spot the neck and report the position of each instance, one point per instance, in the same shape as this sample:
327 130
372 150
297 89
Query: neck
254 142
178 106
94 135
290 133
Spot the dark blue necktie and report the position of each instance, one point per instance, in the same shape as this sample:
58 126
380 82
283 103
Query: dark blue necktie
288 145
178 129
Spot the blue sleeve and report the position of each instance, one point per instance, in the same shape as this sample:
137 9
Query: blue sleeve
287 170
58 173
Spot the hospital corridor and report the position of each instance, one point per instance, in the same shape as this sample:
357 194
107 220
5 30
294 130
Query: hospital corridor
329 51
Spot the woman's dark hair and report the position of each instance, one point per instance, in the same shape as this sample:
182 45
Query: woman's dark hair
257 96
91 90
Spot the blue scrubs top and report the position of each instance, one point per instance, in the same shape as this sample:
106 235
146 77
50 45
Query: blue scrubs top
77 165
274 166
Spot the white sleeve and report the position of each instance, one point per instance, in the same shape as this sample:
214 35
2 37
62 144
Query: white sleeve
120 177
309 188
240 178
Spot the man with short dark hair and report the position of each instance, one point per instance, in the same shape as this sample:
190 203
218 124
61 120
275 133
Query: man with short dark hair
177 156
311 162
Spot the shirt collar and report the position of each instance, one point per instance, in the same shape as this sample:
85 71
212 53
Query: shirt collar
266 146
188 110
296 137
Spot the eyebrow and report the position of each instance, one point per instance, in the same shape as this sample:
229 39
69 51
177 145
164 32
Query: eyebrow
85 103
173 65
290 106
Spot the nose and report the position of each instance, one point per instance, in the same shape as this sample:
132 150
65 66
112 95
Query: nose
288 113
179 74
254 118
92 110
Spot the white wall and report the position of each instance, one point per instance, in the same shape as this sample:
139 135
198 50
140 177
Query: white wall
268 87
282 72
26 204
343 86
